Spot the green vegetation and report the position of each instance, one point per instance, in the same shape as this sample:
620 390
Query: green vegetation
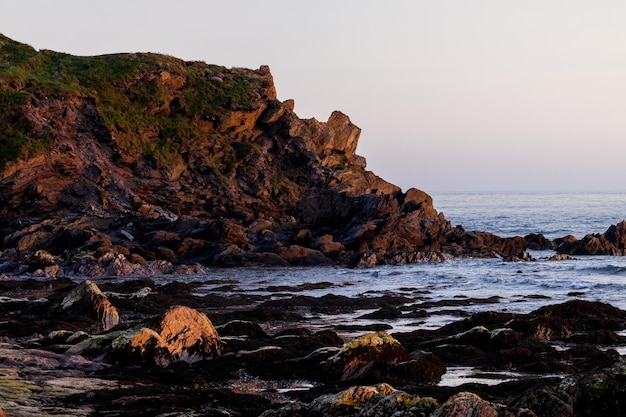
238 152
14 142
153 104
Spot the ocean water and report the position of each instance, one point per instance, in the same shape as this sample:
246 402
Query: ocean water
555 214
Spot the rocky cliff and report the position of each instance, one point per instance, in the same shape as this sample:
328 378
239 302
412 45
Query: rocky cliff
136 163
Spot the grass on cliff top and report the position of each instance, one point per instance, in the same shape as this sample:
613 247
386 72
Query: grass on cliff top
133 100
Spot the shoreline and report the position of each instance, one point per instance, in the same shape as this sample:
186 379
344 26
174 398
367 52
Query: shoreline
273 353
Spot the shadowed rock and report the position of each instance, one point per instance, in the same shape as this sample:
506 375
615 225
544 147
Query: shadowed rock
87 299
611 242
466 404
364 401
378 357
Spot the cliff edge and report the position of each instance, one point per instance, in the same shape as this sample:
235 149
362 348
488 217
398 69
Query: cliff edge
139 163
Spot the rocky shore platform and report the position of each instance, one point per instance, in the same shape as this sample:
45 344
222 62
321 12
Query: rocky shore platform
140 347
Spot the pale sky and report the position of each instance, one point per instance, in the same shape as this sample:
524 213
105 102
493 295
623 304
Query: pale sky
451 95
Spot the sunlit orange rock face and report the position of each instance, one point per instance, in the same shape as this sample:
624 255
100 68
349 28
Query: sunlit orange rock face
184 334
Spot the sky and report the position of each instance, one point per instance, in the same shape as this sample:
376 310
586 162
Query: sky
451 95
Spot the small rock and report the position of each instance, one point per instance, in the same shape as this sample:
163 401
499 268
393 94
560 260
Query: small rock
87 299
466 404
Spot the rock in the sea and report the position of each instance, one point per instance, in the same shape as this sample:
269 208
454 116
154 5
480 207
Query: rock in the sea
538 242
378 357
612 242
87 299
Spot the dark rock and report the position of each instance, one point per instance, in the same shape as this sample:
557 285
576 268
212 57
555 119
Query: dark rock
538 242
379 357
87 299
611 242
467 404
544 401
241 328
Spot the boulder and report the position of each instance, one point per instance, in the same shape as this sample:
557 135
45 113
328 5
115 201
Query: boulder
87 299
183 334
546 401
299 255
466 404
362 401
40 259
538 242
242 328
378 357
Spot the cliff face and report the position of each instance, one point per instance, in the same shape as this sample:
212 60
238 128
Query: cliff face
143 157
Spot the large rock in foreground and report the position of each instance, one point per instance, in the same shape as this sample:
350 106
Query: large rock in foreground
363 401
183 334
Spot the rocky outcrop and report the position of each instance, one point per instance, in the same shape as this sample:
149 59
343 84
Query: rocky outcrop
612 242
131 163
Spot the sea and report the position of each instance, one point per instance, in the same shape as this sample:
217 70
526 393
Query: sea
452 289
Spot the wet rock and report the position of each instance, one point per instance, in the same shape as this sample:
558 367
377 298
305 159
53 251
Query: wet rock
611 242
538 242
378 357
560 257
584 315
598 392
545 401
362 401
466 404
87 299
40 259
241 328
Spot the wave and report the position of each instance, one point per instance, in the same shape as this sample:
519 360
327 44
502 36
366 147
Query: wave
602 269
